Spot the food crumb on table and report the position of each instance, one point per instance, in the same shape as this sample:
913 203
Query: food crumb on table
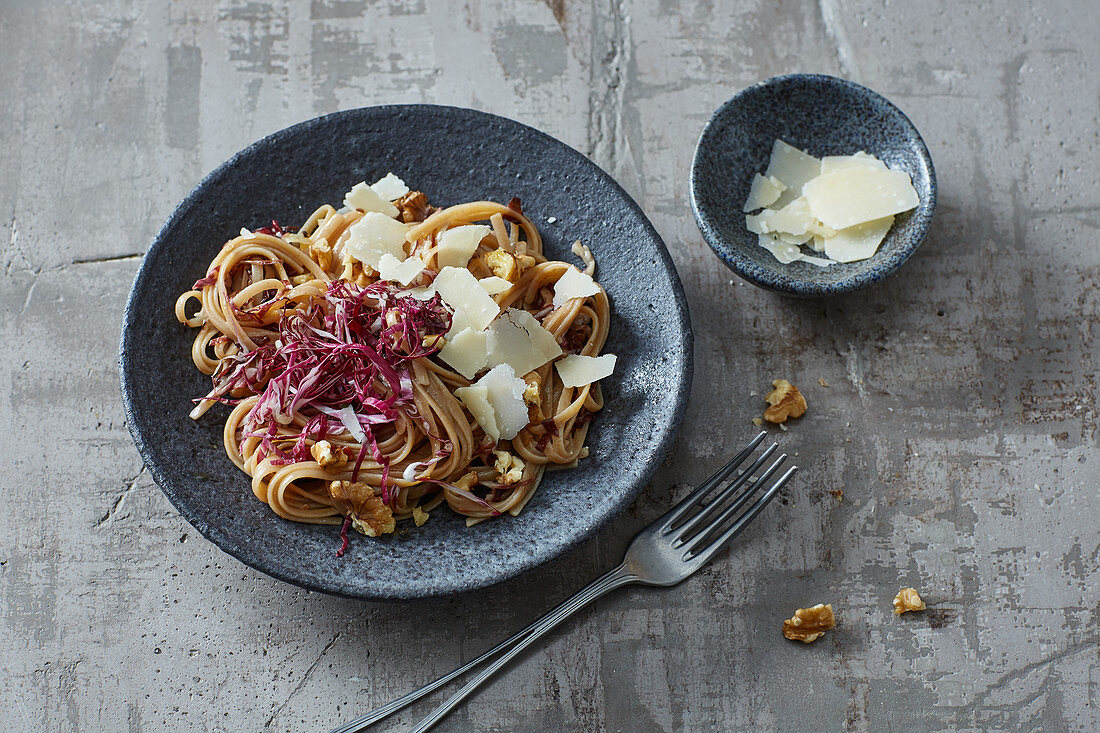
809 624
908 599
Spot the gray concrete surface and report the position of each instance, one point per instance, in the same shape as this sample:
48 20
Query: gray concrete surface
960 418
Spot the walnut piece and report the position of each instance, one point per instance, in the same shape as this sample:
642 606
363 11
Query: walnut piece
414 207
509 467
321 253
502 264
369 514
907 599
784 401
809 624
326 456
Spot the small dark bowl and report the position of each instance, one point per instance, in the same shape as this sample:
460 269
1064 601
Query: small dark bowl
822 115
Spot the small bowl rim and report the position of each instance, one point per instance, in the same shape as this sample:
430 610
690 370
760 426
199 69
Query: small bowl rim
744 267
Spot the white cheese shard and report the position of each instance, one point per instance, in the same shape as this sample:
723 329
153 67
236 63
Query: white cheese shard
390 187
817 244
476 399
422 293
363 197
494 285
832 163
573 284
758 223
858 242
764 191
457 245
576 370
859 194
496 402
375 235
395 270
473 307
794 168
519 340
794 218
793 238
465 352
785 253
819 261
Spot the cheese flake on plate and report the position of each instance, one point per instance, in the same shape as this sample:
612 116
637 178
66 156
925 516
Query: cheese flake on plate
859 194
473 307
793 219
375 235
832 163
794 168
576 370
519 340
395 270
363 197
494 285
390 187
465 352
496 402
476 399
763 192
858 242
573 284
785 253
457 245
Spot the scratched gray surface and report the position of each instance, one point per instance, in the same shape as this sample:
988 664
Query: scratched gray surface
960 418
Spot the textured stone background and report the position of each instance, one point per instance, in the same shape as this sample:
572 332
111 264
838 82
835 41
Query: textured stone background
960 420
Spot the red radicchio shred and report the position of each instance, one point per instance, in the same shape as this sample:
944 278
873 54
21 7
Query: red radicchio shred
583 417
515 205
275 230
344 536
347 348
210 279
543 441
469 495
550 426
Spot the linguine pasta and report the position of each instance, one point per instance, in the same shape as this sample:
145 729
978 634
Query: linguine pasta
342 410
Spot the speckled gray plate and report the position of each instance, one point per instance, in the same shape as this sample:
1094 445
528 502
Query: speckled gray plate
822 115
454 155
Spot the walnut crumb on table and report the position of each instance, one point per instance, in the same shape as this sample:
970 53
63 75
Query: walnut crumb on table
907 599
809 624
785 401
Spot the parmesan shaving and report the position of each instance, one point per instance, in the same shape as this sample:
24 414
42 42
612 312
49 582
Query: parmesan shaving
576 370
390 187
573 284
363 197
375 235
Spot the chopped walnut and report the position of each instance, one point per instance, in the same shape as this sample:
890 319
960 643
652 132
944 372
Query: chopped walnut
369 514
468 481
326 456
757 421
502 264
533 383
419 516
784 401
822 382
838 494
414 207
509 467
907 599
809 624
321 253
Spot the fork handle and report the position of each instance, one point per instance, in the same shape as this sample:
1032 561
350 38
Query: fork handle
614 579
606 583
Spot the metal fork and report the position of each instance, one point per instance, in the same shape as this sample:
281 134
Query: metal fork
662 554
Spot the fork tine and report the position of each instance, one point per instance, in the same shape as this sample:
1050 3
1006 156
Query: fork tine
737 527
688 528
707 486
717 520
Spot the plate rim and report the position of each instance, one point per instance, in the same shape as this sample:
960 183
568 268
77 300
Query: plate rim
225 542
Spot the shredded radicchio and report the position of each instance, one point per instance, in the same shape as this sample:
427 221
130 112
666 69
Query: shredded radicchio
340 363
275 230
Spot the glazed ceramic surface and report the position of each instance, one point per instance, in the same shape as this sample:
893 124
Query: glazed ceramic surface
453 155
821 115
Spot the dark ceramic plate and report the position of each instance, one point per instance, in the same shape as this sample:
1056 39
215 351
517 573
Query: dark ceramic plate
454 155
822 115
